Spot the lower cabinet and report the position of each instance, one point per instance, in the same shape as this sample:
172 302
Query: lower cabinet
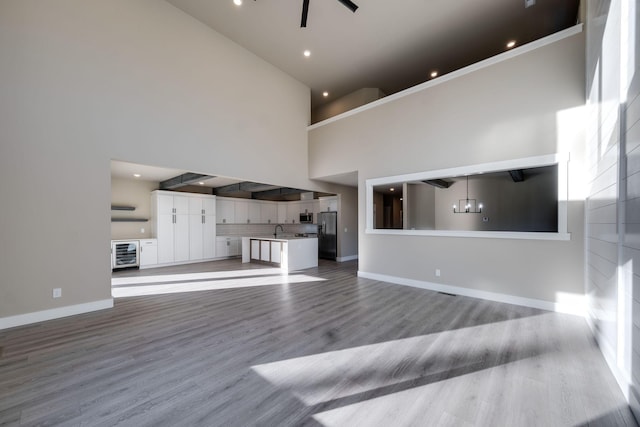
276 252
148 252
228 247
266 250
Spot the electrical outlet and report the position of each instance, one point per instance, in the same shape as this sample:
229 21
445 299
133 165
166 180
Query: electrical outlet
57 292
529 3
142 230
437 272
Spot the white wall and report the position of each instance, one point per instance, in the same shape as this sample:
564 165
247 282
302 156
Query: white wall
135 193
528 105
419 203
140 81
613 204
530 205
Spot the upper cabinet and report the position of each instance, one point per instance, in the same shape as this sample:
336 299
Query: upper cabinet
293 213
255 209
225 211
282 213
242 211
247 211
328 204
268 212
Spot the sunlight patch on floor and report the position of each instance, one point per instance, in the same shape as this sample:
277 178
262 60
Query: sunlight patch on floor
459 373
161 287
139 280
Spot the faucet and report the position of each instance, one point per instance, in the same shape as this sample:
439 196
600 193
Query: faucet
275 232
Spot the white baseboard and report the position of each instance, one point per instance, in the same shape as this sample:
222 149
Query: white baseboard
572 308
346 258
54 313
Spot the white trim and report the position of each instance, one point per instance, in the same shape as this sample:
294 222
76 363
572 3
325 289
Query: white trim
545 41
346 258
54 313
524 235
575 309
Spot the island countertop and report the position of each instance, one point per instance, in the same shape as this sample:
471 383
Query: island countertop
289 252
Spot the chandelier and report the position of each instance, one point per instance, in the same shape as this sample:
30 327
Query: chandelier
467 205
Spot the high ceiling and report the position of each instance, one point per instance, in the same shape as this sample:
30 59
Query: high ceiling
390 45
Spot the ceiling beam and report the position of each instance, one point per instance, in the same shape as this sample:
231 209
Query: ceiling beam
280 191
182 180
244 187
440 183
517 175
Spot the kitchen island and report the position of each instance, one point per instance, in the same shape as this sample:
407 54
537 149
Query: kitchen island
289 253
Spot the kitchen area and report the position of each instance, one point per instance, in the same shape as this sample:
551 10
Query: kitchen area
155 228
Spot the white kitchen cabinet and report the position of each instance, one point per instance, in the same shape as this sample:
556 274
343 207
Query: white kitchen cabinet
255 249
202 228
235 246
228 246
269 213
293 213
222 247
242 212
184 226
276 252
148 252
265 250
170 225
255 208
328 204
225 211
282 213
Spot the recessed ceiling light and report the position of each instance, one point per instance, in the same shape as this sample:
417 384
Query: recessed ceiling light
307 53
392 189
511 44
434 74
325 93
237 2
201 183
136 175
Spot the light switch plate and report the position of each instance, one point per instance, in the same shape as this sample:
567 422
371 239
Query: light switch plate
57 292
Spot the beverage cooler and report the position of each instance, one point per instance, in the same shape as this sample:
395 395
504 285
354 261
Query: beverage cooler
125 253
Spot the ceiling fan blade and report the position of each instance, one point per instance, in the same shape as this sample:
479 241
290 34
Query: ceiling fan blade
305 12
349 4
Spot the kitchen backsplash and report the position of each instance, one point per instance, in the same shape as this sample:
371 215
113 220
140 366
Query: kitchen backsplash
262 229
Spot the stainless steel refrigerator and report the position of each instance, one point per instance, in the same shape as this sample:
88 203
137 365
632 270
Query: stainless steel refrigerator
327 235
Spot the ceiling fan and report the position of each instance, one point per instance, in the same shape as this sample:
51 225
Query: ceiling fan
305 10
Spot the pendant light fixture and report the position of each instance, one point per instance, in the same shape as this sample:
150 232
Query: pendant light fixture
467 205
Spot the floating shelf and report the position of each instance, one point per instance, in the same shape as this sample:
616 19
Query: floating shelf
122 208
129 220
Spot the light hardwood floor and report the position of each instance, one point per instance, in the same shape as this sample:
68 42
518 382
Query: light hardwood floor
227 344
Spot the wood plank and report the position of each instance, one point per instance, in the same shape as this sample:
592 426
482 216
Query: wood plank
337 351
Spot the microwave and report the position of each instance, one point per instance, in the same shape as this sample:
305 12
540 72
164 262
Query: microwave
306 218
